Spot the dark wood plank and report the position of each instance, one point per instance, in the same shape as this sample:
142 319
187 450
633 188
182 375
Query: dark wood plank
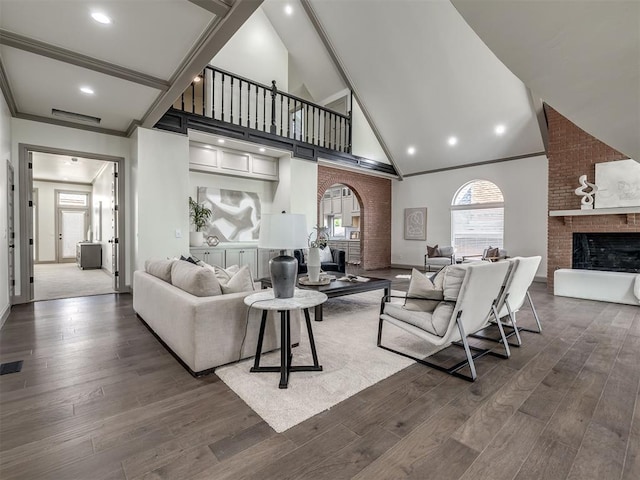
549 459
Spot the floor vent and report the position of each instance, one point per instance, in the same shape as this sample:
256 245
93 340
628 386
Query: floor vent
10 367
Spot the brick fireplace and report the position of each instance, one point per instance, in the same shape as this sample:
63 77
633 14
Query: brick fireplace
573 152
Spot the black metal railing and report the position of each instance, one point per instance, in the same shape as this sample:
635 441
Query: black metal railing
223 96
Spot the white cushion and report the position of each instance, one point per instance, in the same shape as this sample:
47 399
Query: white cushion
193 279
452 278
420 286
159 268
325 255
435 323
224 274
241 281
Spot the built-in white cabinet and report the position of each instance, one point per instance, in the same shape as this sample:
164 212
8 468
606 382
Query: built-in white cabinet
209 255
243 256
264 255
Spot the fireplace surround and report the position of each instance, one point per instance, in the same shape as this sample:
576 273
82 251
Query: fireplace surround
607 251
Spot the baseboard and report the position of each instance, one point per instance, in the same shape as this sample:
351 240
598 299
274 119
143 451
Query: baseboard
5 315
407 267
538 279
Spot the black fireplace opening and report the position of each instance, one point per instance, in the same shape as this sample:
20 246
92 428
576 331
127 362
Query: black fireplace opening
611 252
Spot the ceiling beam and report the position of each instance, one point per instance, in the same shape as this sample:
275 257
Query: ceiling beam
537 105
27 44
6 91
219 31
477 164
217 7
315 21
65 123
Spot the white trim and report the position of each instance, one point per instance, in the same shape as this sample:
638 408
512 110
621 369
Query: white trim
5 315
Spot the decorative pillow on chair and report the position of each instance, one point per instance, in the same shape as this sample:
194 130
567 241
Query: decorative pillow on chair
433 251
420 286
325 255
492 252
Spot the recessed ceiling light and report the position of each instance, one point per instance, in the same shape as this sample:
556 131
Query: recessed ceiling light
65 178
197 79
221 140
411 150
452 141
208 146
87 90
262 149
500 129
101 18
288 9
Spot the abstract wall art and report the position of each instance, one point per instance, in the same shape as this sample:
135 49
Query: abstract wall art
235 215
415 223
618 184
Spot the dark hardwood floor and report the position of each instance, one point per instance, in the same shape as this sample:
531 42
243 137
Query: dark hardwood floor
99 398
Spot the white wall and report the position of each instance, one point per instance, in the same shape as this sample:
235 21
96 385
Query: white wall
5 156
162 193
296 192
256 52
44 134
364 142
46 217
102 193
523 184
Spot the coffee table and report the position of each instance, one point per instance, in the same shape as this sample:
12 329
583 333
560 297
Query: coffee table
339 288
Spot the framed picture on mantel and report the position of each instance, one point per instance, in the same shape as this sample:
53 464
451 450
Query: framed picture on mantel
415 223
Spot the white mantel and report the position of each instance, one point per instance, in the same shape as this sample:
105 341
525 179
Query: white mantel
594 211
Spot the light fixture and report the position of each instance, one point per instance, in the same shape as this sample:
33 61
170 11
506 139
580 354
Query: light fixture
262 149
283 231
452 141
500 129
87 90
208 146
101 18
288 9
411 150
221 140
197 79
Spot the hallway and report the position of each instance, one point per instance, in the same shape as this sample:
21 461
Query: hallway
64 280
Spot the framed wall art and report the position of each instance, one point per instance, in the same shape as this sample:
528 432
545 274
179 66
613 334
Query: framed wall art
415 223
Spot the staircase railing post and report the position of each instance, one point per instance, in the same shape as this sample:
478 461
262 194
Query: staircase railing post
274 92
350 123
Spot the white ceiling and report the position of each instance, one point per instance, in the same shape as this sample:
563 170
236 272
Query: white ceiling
582 58
136 66
62 168
417 66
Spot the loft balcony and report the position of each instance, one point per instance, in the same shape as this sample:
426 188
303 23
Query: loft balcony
226 104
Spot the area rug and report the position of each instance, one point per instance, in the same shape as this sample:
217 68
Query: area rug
347 351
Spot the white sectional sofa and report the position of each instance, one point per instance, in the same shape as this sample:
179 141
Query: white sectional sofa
204 332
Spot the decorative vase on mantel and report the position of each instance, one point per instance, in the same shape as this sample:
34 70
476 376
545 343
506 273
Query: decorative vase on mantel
196 239
313 264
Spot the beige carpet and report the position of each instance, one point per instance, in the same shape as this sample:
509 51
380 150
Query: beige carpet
346 346
64 280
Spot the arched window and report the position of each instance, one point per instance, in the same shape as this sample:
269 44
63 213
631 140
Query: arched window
477 218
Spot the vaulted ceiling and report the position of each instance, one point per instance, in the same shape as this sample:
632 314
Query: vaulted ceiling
423 70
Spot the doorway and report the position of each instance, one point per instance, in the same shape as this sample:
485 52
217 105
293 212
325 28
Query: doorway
70 205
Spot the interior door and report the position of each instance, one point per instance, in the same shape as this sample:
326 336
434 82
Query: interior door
72 226
11 232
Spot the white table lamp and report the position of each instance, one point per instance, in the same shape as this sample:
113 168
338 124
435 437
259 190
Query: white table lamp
283 231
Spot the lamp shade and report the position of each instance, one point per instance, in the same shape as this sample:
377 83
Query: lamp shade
283 231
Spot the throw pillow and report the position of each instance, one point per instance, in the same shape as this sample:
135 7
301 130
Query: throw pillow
224 274
492 253
189 259
420 286
159 268
241 281
196 280
325 255
433 251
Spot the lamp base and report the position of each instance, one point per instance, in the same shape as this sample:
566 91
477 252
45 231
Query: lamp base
284 272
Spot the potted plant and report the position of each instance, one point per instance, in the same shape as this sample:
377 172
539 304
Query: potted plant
313 260
199 214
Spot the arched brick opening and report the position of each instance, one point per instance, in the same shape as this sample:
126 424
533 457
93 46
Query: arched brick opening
374 195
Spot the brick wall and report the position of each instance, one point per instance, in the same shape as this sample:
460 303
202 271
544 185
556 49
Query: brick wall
374 194
573 152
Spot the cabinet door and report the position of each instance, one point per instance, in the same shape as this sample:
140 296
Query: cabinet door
216 257
347 220
243 256
264 255
336 205
356 204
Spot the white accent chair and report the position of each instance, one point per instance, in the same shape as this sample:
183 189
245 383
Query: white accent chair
516 290
446 256
454 318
